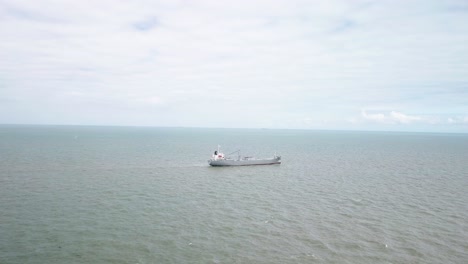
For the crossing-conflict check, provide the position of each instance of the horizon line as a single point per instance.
(251, 128)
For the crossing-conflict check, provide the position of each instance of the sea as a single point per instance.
(90, 194)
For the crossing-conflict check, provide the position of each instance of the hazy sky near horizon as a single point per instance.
(347, 64)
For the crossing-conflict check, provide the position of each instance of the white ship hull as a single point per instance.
(244, 162)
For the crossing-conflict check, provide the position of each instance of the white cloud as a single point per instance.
(398, 118)
(393, 117)
(404, 119)
(378, 117)
(458, 120)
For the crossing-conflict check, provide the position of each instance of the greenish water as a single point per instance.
(73, 194)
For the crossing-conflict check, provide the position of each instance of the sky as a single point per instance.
(338, 65)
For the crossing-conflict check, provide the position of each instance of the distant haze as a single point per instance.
(352, 65)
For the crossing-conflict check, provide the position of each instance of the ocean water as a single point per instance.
(71, 194)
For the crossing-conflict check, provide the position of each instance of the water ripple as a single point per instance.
(337, 198)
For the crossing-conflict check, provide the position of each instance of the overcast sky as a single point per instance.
(350, 64)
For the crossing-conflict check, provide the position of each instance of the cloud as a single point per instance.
(153, 100)
(393, 117)
(378, 117)
(404, 119)
(282, 60)
(458, 120)
(398, 118)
